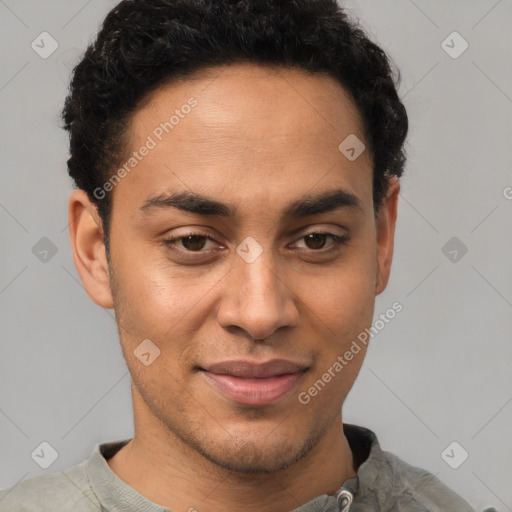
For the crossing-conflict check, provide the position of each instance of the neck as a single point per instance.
(158, 465)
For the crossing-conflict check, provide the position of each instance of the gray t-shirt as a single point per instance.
(384, 483)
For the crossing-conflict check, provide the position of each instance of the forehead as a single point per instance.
(254, 132)
(266, 100)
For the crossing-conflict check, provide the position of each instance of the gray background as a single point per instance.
(439, 372)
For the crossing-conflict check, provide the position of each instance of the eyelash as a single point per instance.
(337, 239)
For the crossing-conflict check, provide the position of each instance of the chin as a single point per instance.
(245, 454)
(251, 459)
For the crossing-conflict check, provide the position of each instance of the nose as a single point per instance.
(257, 298)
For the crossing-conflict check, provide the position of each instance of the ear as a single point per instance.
(86, 233)
(386, 221)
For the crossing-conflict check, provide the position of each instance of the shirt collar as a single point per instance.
(114, 494)
(370, 486)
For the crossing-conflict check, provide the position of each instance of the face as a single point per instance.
(244, 246)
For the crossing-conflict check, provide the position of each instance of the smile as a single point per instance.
(254, 384)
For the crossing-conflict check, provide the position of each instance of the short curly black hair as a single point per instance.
(144, 43)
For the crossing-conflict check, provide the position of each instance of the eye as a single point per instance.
(316, 241)
(191, 242)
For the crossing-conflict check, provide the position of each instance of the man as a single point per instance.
(237, 170)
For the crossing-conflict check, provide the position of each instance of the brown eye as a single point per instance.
(315, 240)
(193, 242)
(189, 244)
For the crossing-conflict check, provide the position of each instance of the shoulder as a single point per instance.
(65, 490)
(421, 490)
(386, 482)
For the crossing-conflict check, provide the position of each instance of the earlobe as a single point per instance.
(86, 233)
(386, 222)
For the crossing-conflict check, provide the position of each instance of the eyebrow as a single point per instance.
(311, 204)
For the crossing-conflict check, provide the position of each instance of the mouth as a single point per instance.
(256, 384)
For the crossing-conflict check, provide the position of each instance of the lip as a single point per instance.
(256, 384)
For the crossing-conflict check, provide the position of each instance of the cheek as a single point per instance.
(343, 295)
(162, 302)
(341, 306)
(337, 318)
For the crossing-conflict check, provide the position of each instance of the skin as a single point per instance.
(259, 138)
